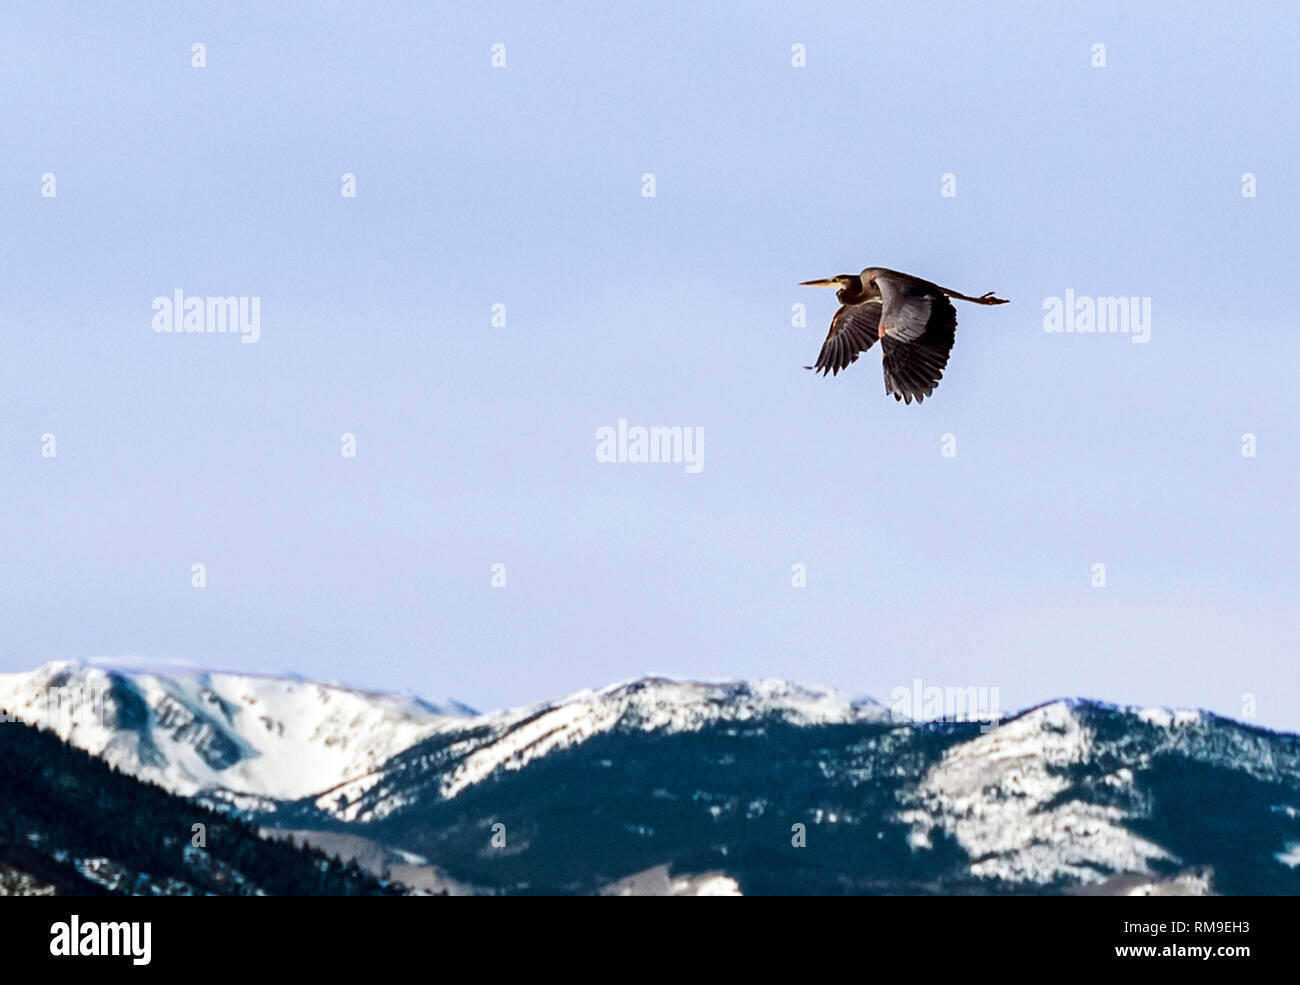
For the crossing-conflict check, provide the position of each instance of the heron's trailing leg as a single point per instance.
(982, 299)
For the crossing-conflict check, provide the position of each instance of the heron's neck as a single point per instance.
(851, 293)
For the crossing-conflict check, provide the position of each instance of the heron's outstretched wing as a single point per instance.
(920, 326)
(854, 329)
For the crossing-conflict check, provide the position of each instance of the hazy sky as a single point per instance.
(476, 444)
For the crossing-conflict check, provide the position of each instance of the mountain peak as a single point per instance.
(192, 729)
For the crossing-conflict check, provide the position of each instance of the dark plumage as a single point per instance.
(913, 319)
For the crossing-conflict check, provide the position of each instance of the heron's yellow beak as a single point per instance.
(827, 282)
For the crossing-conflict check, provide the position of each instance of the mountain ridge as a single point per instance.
(655, 782)
(196, 729)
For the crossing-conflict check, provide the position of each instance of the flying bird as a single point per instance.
(913, 319)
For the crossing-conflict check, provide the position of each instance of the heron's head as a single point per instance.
(848, 287)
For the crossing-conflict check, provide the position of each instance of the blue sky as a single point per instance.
(476, 444)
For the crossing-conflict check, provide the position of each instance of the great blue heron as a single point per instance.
(912, 318)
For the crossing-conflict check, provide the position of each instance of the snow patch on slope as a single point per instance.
(1005, 798)
(192, 731)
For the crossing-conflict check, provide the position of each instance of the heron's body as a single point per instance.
(913, 319)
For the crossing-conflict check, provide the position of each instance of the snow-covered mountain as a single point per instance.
(1007, 797)
(192, 731)
(1068, 796)
(510, 740)
(656, 785)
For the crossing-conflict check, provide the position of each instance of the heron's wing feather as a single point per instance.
(919, 333)
(853, 330)
(908, 304)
